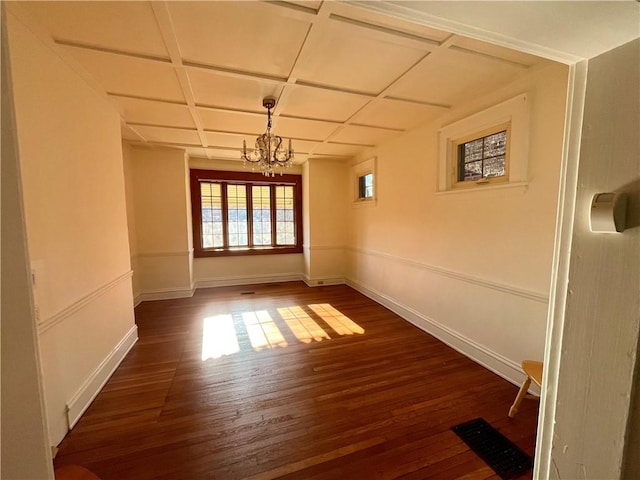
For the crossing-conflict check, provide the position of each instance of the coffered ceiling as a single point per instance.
(193, 74)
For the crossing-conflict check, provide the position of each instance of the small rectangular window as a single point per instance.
(482, 158)
(365, 186)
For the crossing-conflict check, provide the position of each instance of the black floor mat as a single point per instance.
(500, 453)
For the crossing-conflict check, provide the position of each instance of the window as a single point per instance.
(483, 158)
(364, 183)
(488, 149)
(237, 213)
(365, 186)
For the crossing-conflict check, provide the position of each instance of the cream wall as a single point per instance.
(242, 270)
(127, 162)
(599, 339)
(73, 189)
(159, 199)
(24, 442)
(471, 267)
(326, 196)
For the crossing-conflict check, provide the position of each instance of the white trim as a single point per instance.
(323, 281)
(515, 112)
(81, 303)
(520, 292)
(482, 188)
(325, 247)
(576, 93)
(164, 254)
(164, 294)
(248, 280)
(480, 354)
(90, 388)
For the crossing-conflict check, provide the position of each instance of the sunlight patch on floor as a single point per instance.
(218, 337)
(342, 324)
(302, 325)
(263, 331)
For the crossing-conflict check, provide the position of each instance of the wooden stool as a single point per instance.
(533, 370)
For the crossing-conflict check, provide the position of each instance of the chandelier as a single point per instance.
(269, 153)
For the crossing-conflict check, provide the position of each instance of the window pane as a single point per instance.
(365, 183)
(237, 215)
(495, 145)
(494, 167)
(285, 223)
(473, 170)
(261, 203)
(211, 200)
(473, 150)
(483, 157)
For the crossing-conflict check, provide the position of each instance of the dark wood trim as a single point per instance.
(227, 177)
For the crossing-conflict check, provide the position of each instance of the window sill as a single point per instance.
(370, 202)
(246, 251)
(484, 187)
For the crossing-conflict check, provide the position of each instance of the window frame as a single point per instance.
(249, 180)
(456, 160)
(514, 111)
(358, 171)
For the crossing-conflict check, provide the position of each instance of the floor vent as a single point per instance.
(247, 293)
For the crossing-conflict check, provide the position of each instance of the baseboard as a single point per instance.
(502, 366)
(248, 280)
(323, 281)
(166, 294)
(92, 386)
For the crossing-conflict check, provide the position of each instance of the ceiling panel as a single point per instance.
(338, 149)
(136, 110)
(217, 90)
(230, 140)
(396, 114)
(229, 121)
(454, 77)
(301, 128)
(128, 26)
(308, 102)
(223, 153)
(313, 4)
(196, 151)
(496, 51)
(126, 75)
(313, 56)
(361, 63)
(301, 147)
(363, 135)
(404, 28)
(169, 135)
(262, 40)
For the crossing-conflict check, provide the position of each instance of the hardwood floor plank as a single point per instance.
(300, 390)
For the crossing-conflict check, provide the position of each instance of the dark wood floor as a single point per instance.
(377, 403)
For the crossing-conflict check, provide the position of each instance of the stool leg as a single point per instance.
(523, 391)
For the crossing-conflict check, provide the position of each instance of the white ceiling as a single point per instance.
(566, 31)
(193, 74)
